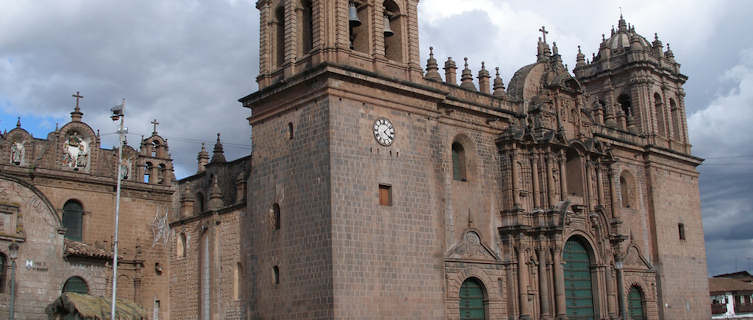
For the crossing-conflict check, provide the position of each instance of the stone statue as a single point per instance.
(17, 153)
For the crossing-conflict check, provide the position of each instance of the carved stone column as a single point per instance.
(599, 187)
(543, 286)
(563, 176)
(550, 180)
(525, 313)
(612, 195)
(559, 284)
(610, 293)
(515, 177)
(535, 172)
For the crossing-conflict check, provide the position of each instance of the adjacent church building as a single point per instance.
(381, 188)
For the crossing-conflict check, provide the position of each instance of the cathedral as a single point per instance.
(382, 188)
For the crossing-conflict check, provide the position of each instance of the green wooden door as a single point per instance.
(472, 300)
(635, 304)
(578, 295)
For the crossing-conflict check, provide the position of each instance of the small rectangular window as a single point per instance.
(385, 195)
(681, 230)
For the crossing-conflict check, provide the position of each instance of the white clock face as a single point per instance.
(384, 132)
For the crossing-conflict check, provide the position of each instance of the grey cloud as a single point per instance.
(182, 62)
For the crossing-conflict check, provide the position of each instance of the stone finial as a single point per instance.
(499, 85)
(555, 50)
(580, 59)
(669, 54)
(483, 79)
(466, 79)
(218, 154)
(450, 71)
(215, 195)
(432, 68)
(622, 25)
(202, 158)
(18, 122)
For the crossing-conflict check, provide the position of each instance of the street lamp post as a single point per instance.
(118, 113)
(13, 253)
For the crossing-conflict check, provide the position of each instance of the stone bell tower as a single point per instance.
(374, 35)
(639, 87)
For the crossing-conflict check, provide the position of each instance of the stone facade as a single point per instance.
(69, 166)
(487, 184)
(380, 190)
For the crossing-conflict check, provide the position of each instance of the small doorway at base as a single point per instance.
(472, 300)
(635, 304)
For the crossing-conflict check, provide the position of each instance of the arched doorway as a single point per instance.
(76, 284)
(472, 300)
(578, 284)
(635, 304)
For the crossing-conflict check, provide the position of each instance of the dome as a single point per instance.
(621, 39)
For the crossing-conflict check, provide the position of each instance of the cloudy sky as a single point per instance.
(186, 63)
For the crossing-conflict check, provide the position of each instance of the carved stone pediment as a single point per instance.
(471, 248)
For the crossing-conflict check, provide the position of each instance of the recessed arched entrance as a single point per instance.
(578, 284)
(472, 300)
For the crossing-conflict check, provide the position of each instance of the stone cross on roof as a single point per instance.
(78, 97)
(155, 123)
(543, 32)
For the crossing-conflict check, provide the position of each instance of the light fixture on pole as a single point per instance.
(13, 253)
(118, 113)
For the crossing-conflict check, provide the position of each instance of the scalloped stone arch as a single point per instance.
(455, 280)
(594, 252)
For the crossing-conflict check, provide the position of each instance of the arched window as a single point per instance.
(155, 147)
(276, 216)
(148, 168)
(205, 281)
(73, 214)
(76, 285)
(180, 246)
(306, 28)
(359, 28)
(290, 131)
(280, 36)
(578, 283)
(574, 173)
(635, 304)
(393, 37)
(3, 271)
(627, 190)
(200, 206)
(659, 110)
(676, 121)
(626, 104)
(459, 171)
(276, 275)
(472, 302)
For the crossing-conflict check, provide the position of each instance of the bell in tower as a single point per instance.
(370, 35)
